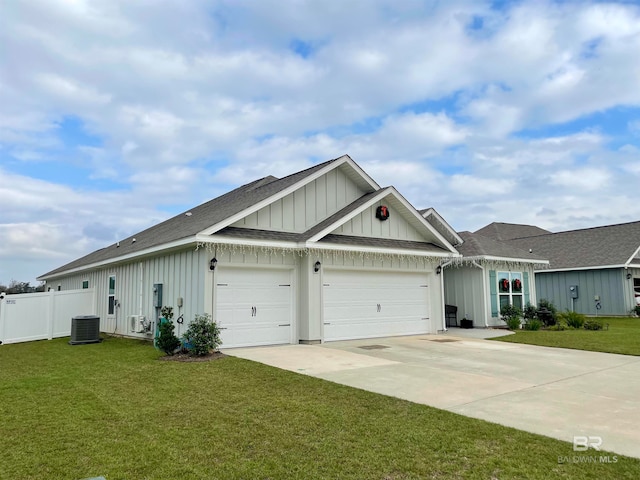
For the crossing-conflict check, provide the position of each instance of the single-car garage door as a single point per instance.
(363, 304)
(254, 306)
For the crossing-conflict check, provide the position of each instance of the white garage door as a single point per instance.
(254, 306)
(363, 304)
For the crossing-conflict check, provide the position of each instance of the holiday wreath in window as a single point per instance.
(504, 285)
(517, 285)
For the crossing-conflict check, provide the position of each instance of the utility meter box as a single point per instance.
(157, 295)
(573, 291)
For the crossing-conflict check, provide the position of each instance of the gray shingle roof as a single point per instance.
(589, 247)
(201, 217)
(508, 231)
(476, 245)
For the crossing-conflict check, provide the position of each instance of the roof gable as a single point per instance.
(439, 223)
(479, 246)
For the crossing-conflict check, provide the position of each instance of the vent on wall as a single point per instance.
(85, 329)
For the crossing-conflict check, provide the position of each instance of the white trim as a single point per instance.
(505, 259)
(123, 258)
(249, 242)
(433, 211)
(596, 267)
(634, 255)
(383, 251)
(345, 159)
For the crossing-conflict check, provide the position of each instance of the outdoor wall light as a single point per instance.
(438, 270)
(629, 276)
(316, 267)
(213, 263)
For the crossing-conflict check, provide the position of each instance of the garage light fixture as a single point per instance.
(316, 266)
(438, 270)
(629, 276)
(213, 263)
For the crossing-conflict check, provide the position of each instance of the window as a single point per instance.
(112, 295)
(510, 289)
(85, 284)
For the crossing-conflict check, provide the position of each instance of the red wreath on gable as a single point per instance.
(504, 285)
(517, 285)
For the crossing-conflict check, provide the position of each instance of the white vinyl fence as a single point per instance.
(38, 316)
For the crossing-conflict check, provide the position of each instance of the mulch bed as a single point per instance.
(185, 357)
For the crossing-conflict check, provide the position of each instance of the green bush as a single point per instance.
(592, 325)
(530, 312)
(511, 316)
(167, 341)
(202, 335)
(533, 324)
(572, 319)
(558, 327)
(636, 310)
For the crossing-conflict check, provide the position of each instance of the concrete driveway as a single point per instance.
(551, 391)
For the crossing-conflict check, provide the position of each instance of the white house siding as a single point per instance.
(463, 288)
(366, 224)
(306, 207)
(181, 274)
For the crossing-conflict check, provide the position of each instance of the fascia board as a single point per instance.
(507, 259)
(433, 211)
(123, 258)
(391, 251)
(422, 220)
(634, 255)
(345, 159)
(594, 267)
(250, 242)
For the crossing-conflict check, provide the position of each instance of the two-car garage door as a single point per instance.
(366, 304)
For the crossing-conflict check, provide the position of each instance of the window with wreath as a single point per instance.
(510, 289)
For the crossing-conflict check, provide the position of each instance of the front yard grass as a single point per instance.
(113, 409)
(623, 336)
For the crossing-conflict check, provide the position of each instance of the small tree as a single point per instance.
(547, 312)
(167, 341)
(202, 335)
(511, 316)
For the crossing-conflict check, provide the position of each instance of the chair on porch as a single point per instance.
(451, 315)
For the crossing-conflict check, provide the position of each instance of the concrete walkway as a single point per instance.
(551, 391)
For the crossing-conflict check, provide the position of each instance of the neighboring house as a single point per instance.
(490, 275)
(595, 271)
(323, 254)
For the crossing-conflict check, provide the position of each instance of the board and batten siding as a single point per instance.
(307, 206)
(463, 288)
(610, 284)
(181, 274)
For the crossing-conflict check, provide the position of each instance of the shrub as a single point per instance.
(572, 319)
(533, 324)
(636, 310)
(511, 316)
(167, 341)
(558, 327)
(202, 335)
(530, 312)
(592, 325)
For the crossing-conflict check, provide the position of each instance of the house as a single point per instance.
(322, 254)
(490, 275)
(594, 271)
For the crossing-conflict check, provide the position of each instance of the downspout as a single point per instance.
(141, 270)
(484, 291)
(443, 309)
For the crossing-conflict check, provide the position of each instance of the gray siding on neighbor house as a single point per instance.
(609, 284)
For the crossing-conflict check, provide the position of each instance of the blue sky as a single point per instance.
(116, 115)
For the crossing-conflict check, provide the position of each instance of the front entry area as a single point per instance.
(366, 304)
(254, 306)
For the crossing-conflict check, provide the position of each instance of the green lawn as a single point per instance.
(113, 409)
(623, 336)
